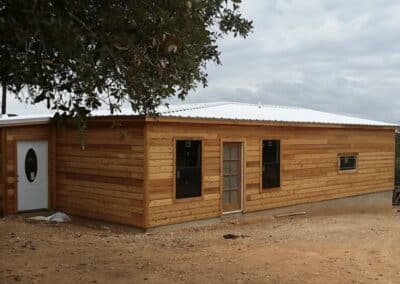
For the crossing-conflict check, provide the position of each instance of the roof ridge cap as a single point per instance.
(192, 107)
(263, 105)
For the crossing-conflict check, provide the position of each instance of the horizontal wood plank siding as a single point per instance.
(309, 169)
(309, 166)
(397, 160)
(2, 173)
(125, 174)
(163, 208)
(105, 179)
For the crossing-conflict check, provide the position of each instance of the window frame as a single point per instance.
(195, 198)
(270, 189)
(344, 171)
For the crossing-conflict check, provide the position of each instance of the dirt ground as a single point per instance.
(347, 248)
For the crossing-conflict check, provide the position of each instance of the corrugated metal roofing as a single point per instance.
(253, 112)
(23, 119)
(230, 111)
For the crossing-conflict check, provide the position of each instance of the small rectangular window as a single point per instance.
(270, 163)
(188, 168)
(347, 162)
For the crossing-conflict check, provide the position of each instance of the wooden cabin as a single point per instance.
(192, 162)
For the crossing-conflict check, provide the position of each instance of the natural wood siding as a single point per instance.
(163, 209)
(309, 169)
(126, 173)
(2, 173)
(105, 179)
(309, 166)
(397, 163)
(11, 136)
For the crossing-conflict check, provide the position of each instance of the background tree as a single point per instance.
(79, 54)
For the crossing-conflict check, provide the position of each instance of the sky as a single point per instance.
(340, 56)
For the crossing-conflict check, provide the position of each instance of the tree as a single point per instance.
(79, 54)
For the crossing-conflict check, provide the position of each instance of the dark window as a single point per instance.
(188, 168)
(347, 162)
(270, 163)
(31, 165)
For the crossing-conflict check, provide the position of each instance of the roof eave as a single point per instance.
(22, 121)
(179, 119)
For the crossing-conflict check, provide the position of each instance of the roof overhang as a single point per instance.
(216, 121)
(21, 121)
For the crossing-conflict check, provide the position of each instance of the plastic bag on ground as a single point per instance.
(58, 217)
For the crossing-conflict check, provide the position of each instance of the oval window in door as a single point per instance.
(31, 165)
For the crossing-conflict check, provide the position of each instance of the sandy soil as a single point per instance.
(349, 248)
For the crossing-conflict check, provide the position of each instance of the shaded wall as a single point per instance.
(2, 173)
(105, 179)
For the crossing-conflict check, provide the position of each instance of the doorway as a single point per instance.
(32, 175)
(232, 177)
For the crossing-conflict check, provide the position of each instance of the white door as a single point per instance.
(32, 175)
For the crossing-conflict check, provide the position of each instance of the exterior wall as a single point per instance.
(125, 174)
(309, 166)
(397, 165)
(105, 180)
(163, 208)
(2, 173)
(11, 135)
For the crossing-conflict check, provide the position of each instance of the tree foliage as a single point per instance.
(79, 54)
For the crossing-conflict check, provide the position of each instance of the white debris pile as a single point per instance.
(58, 217)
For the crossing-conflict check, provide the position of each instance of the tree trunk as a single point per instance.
(4, 100)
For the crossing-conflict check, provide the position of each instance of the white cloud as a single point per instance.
(341, 56)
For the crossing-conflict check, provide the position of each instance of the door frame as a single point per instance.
(242, 142)
(50, 163)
